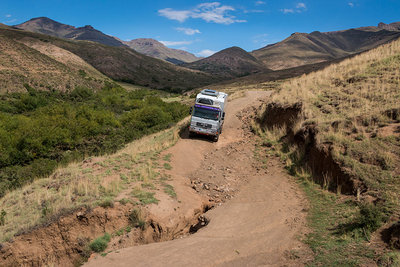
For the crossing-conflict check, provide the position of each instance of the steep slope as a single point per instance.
(229, 63)
(153, 48)
(50, 27)
(302, 48)
(43, 66)
(123, 63)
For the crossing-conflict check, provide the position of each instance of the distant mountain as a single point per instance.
(302, 48)
(229, 63)
(119, 63)
(50, 27)
(154, 48)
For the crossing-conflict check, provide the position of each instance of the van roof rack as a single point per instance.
(209, 92)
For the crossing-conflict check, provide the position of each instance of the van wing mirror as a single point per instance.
(191, 109)
(223, 115)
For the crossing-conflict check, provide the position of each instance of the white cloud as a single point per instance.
(205, 53)
(209, 12)
(187, 31)
(301, 5)
(169, 13)
(253, 11)
(258, 3)
(8, 16)
(287, 10)
(175, 43)
(351, 4)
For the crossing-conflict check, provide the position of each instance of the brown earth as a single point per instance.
(261, 223)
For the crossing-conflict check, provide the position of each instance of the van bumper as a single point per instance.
(196, 130)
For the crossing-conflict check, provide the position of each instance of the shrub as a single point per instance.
(100, 243)
(3, 217)
(107, 203)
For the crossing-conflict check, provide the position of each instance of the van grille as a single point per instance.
(203, 125)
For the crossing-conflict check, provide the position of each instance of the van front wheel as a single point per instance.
(216, 138)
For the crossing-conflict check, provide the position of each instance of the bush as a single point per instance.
(371, 217)
(100, 244)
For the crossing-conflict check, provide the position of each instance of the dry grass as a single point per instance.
(367, 84)
(89, 183)
(347, 102)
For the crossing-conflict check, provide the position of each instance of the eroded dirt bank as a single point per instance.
(317, 157)
(258, 225)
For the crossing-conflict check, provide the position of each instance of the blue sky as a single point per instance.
(203, 27)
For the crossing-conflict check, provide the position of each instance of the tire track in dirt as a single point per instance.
(259, 226)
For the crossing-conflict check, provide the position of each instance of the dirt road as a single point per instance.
(258, 225)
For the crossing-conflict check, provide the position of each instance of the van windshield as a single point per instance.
(206, 113)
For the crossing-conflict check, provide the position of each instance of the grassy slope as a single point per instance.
(125, 64)
(21, 64)
(347, 102)
(133, 172)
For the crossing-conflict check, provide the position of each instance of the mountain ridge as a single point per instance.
(146, 46)
(51, 27)
(309, 48)
(118, 63)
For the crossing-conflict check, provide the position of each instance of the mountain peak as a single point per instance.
(154, 48)
(229, 63)
(89, 27)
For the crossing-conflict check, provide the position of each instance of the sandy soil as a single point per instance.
(260, 221)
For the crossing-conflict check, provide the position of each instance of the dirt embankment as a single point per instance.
(317, 157)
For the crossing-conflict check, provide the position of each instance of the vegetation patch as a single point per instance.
(169, 190)
(144, 197)
(167, 166)
(337, 237)
(40, 131)
(100, 244)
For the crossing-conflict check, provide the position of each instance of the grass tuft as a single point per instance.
(136, 220)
